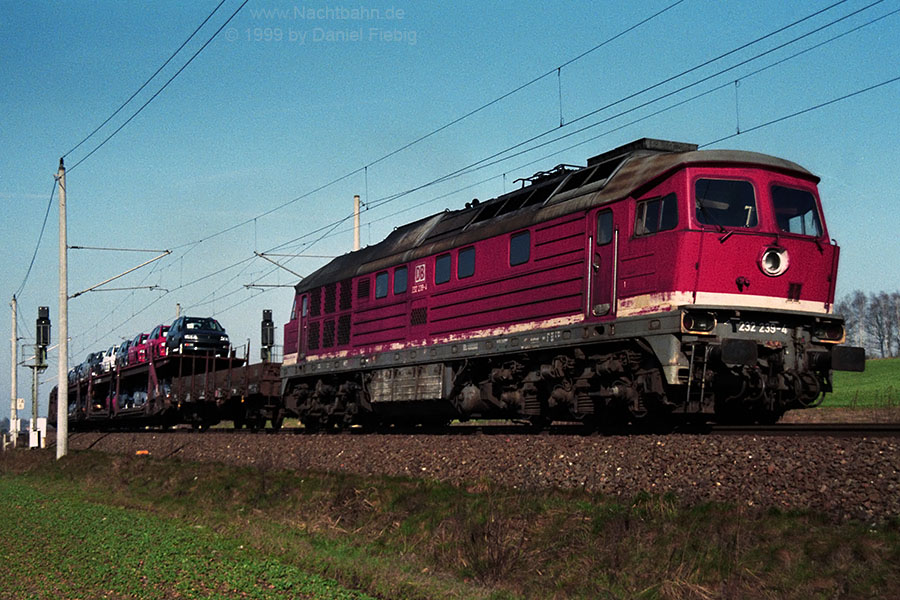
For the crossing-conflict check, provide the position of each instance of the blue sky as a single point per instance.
(293, 95)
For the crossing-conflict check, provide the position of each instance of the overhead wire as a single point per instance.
(379, 202)
(805, 110)
(364, 168)
(149, 79)
(484, 162)
(160, 90)
(195, 243)
(37, 246)
(400, 194)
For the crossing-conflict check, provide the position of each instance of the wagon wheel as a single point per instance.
(539, 422)
(277, 419)
(256, 422)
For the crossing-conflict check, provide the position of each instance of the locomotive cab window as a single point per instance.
(519, 248)
(604, 227)
(725, 203)
(796, 211)
(304, 304)
(465, 263)
(442, 269)
(400, 278)
(655, 215)
(381, 285)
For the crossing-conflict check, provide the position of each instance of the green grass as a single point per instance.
(99, 526)
(59, 545)
(876, 387)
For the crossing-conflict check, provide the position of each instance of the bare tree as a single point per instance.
(854, 308)
(880, 323)
(895, 317)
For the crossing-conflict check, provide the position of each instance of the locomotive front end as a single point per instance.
(755, 364)
(759, 337)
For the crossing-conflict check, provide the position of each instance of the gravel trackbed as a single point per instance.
(843, 477)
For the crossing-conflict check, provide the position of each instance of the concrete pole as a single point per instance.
(356, 222)
(14, 392)
(62, 385)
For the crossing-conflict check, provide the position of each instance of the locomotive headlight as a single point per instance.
(829, 332)
(774, 261)
(698, 322)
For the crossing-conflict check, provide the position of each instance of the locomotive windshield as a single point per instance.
(725, 203)
(795, 211)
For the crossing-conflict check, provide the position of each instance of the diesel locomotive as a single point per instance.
(658, 283)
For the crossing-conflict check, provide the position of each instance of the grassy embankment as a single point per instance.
(95, 526)
(876, 387)
(99, 526)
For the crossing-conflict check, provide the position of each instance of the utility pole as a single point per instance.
(356, 222)
(62, 385)
(13, 416)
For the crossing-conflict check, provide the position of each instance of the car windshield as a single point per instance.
(210, 324)
(725, 203)
(795, 211)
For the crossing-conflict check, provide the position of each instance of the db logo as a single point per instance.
(420, 273)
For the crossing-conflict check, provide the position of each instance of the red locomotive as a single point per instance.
(657, 282)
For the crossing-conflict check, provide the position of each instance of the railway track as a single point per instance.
(566, 429)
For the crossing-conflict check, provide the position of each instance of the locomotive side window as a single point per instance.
(304, 310)
(400, 277)
(294, 309)
(795, 211)
(604, 227)
(725, 203)
(654, 215)
(442, 268)
(381, 285)
(465, 263)
(519, 248)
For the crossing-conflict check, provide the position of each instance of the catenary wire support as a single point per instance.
(737, 107)
(120, 275)
(264, 257)
(154, 288)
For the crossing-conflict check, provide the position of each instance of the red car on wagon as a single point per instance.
(156, 343)
(137, 352)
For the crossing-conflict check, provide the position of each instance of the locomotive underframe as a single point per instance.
(725, 365)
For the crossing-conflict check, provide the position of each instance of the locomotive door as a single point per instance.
(304, 325)
(602, 268)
